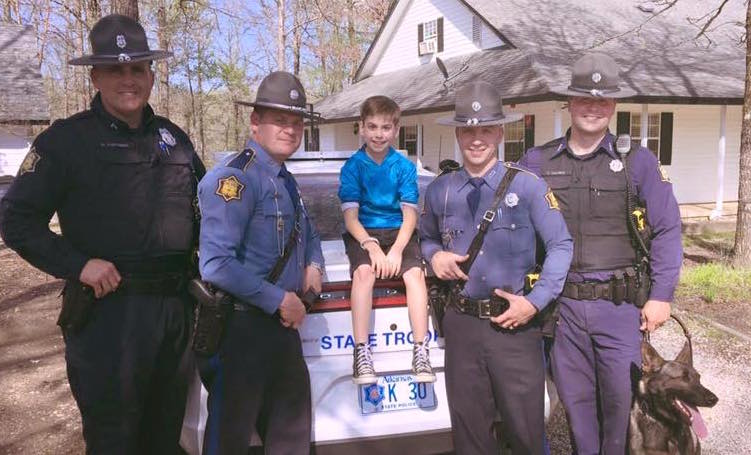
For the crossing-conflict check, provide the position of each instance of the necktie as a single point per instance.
(473, 198)
(289, 184)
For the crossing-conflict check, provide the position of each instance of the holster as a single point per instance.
(212, 312)
(78, 301)
(641, 287)
(439, 297)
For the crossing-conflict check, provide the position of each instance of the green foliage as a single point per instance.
(715, 283)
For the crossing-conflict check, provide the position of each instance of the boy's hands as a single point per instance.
(394, 261)
(378, 260)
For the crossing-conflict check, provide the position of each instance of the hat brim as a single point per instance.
(621, 93)
(92, 60)
(508, 118)
(282, 107)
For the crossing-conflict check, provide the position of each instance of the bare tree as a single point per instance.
(281, 35)
(126, 8)
(742, 249)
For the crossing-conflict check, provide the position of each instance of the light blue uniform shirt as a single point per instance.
(508, 252)
(242, 238)
(379, 190)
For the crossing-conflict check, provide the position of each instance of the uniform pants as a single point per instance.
(127, 369)
(492, 371)
(597, 346)
(257, 381)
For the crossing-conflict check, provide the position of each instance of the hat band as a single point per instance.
(471, 121)
(300, 109)
(596, 92)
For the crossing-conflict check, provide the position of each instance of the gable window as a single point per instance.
(408, 139)
(430, 37)
(518, 137)
(477, 30)
(659, 132)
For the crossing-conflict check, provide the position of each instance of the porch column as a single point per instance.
(457, 152)
(557, 123)
(419, 146)
(644, 124)
(720, 196)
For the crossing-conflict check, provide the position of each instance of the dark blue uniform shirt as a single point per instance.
(246, 218)
(655, 191)
(509, 250)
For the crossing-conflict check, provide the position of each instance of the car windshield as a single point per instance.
(319, 193)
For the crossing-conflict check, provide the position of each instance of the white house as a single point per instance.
(23, 100)
(689, 91)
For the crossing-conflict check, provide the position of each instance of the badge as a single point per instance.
(294, 94)
(120, 40)
(596, 77)
(663, 173)
(373, 394)
(29, 163)
(616, 165)
(230, 188)
(552, 201)
(167, 137)
(476, 106)
(511, 200)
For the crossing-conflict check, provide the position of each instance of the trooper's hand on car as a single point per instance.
(446, 265)
(101, 275)
(291, 311)
(519, 312)
(378, 260)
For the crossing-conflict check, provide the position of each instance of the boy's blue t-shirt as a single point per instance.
(379, 190)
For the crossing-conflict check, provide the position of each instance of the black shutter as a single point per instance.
(529, 132)
(419, 37)
(440, 34)
(401, 138)
(623, 123)
(666, 138)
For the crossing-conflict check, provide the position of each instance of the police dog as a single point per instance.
(664, 419)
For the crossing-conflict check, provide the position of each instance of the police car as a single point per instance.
(396, 415)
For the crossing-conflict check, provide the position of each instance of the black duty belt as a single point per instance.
(614, 290)
(481, 308)
(163, 285)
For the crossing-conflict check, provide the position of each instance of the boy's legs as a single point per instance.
(417, 306)
(361, 301)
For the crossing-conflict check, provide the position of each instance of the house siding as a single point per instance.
(14, 144)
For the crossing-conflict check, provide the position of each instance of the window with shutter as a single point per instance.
(518, 137)
(408, 139)
(659, 132)
(430, 37)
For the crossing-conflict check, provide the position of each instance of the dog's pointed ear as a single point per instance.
(685, 356)
(650, 359)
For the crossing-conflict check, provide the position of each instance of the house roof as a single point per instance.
(659, 57)
(23, 98)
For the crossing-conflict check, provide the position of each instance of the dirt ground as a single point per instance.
(38, 414)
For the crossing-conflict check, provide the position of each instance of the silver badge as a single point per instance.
(476, 106)
(294, 94)
(616, 166)
(123, 58)
(511, 200)
(596, 77)
(120, 40)
(167, 137)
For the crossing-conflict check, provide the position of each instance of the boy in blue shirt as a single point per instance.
(378, 191)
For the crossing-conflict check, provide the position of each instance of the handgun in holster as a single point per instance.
(212, 312)
(78, 302)
(439, 296)
(549, 315)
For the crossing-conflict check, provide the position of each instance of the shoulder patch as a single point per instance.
(510, 164)
(29, 163)
(230, 188)
(243, 159)
(552, 201)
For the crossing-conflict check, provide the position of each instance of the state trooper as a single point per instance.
(123, 182)
(493, 357)
(252, 215)
(616, 286)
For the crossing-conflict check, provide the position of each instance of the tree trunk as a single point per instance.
(281, 39)
(352, 39)
(297, 36)
(162, 67)
(126, 8)
(742, 250)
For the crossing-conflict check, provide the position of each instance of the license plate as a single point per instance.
(395, 393)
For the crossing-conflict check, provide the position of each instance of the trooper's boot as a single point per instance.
(362, 365)
(421, 362)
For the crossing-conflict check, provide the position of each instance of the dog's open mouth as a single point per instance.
(693, 416)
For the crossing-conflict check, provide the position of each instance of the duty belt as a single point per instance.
(620, 288)
(164, 285)
(481, 308)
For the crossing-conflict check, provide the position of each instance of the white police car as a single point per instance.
(396, 415)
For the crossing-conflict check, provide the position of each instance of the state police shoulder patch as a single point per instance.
(29, 163)
(230, 188)
(552, 201)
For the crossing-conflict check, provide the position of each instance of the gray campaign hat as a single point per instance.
(283, 91)
(595, 75)
(118, 39)
(478, 104)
